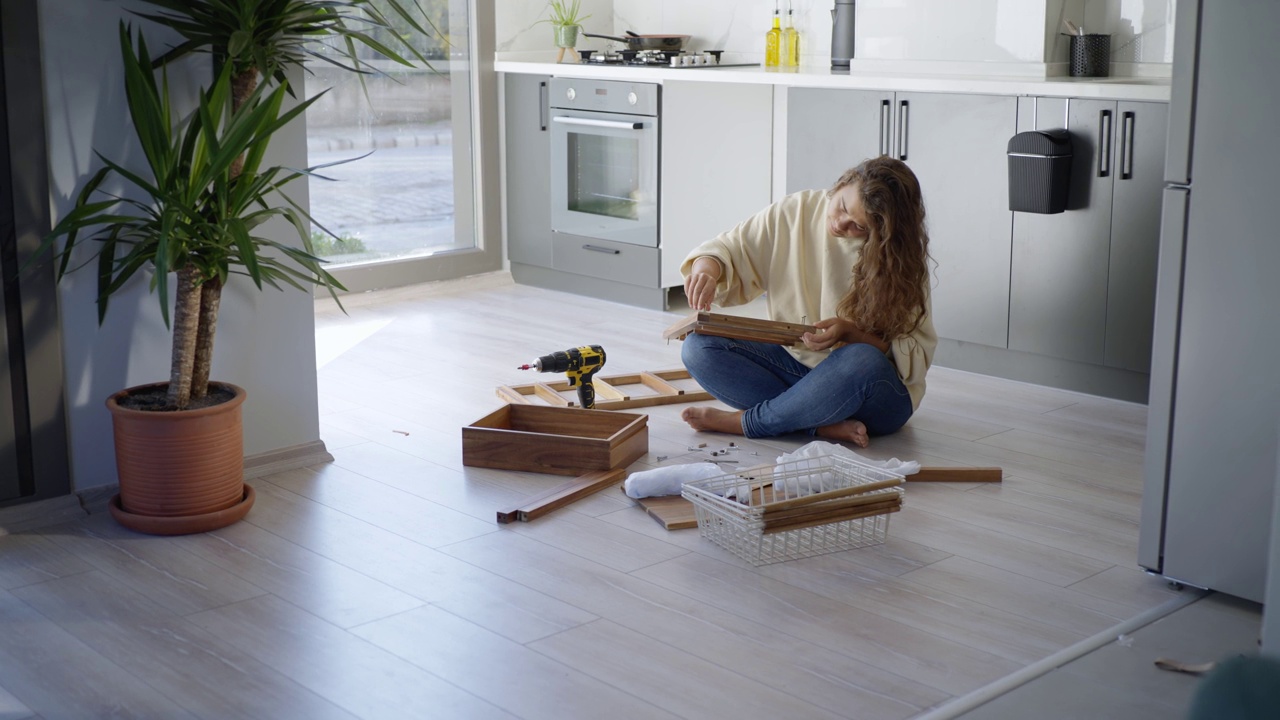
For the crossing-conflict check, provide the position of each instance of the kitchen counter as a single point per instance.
(1153, 89)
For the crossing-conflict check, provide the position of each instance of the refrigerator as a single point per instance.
(1214, 410)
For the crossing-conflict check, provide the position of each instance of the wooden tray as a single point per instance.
(560, 441)
(740, 328)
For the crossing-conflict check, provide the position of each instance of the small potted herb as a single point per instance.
(566, 21)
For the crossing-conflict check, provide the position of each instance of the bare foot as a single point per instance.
(847, 430)
(713, 420)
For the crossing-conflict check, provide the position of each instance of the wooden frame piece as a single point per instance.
(957, 474)
(609, 396)
(739, 328)
(557, 497)
(672, 512)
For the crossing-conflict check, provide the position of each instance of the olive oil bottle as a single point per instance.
(790, 49)
(773, 41)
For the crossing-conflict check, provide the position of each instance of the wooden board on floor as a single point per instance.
(672, 512)
(740, 328)
(957, 474)
(609, 393)
(559, 496)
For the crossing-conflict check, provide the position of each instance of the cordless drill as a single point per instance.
(580, 364)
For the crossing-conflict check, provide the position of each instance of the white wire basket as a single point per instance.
(731, 508)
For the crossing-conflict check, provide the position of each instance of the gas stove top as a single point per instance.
(658, 58)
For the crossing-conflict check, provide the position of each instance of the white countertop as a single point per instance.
(1153, 89)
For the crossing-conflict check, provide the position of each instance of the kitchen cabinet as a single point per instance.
(1083, 281)
(955, 144)
(528, 155)
(1135, 234)
(717, 156)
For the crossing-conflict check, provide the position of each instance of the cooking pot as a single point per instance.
(646, 42)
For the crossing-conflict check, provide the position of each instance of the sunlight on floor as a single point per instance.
(334, 340)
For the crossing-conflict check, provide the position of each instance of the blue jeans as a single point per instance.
(782, 395)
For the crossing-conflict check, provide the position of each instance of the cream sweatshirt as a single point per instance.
(786, 251)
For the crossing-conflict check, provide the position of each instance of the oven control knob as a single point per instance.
(631, 98)
(570, 93)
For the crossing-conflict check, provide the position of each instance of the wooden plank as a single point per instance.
(560, 495)
(850, 514)
(829, 495)
(672, 512)
(657, 380)
(957, 474)
(831, 505)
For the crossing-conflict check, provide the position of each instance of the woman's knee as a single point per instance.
(860, 357)
(697, 349)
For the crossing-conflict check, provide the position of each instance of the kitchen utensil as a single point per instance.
(646, 42)
(842, 21)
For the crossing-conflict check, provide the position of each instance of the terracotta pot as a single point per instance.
(180, 471)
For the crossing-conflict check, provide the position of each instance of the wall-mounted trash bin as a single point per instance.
(1039, 171)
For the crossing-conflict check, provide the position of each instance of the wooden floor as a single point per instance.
(379, 586)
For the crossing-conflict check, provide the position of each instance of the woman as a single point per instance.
(855, 258)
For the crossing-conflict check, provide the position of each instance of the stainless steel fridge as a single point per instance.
(1214, 408)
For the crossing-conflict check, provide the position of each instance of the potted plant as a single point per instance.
(193, 215)
(566, 20)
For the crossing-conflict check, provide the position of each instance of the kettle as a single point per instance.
(842, 17)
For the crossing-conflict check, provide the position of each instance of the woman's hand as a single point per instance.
(700, 286)
(839, 330)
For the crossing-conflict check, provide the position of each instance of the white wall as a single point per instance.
(975, 36)
(265, 341)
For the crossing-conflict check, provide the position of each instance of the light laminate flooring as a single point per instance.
(380, 586)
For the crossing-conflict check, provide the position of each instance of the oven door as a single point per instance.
(604, 176)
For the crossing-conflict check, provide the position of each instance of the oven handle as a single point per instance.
(598, 123)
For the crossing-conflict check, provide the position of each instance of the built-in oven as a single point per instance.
(604, 160)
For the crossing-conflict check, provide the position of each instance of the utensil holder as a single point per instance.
(1090, 55)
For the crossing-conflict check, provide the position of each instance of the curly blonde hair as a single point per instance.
(890, 282)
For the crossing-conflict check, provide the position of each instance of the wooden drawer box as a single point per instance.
(562, 441)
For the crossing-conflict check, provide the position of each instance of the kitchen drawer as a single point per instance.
(606, 260)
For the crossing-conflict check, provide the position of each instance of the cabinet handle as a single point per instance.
(885, 111)
(1127, 122)
(597, 248)
(1104, 143)
(904, 127)
(543, 106)
(592, 122)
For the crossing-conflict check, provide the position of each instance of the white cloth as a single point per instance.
(668, 480)
(827, 479)
(818, 448)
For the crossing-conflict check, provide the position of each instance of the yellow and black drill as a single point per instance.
(580, 364)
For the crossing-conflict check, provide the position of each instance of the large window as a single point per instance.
(410, 198)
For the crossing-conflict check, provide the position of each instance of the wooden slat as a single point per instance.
(560, 495)
(957, 474)
(549, 394)
(658, 385)
(607, 392)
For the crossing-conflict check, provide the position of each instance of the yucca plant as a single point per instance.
(190, 214)
(267, 38)
(207, 191)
